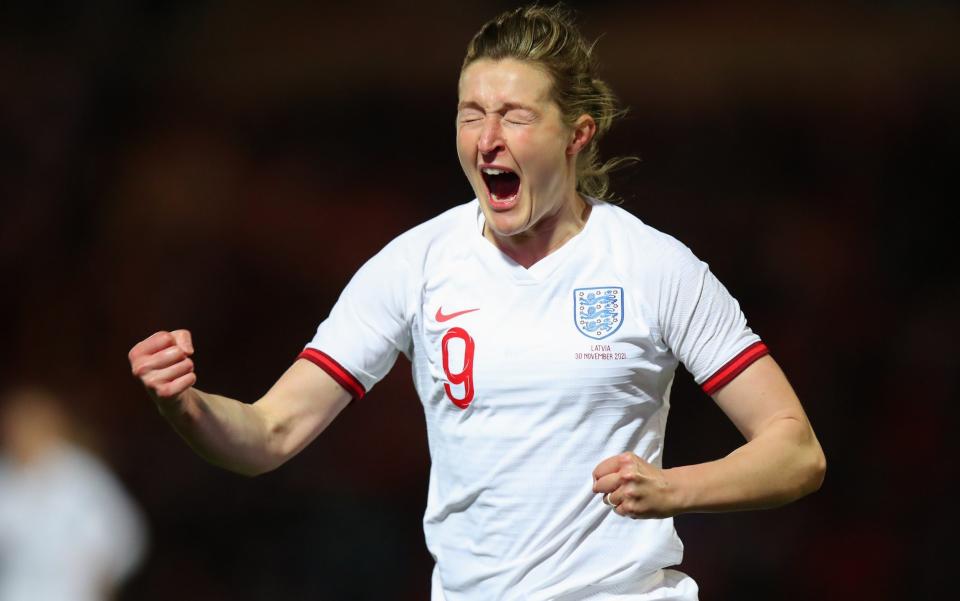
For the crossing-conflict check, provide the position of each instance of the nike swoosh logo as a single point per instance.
(441, 317)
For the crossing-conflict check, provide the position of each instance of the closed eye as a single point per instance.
(469, 116)
(520, 117)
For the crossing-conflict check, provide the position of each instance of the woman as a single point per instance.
(544, 327)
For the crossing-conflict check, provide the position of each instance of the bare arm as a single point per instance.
(781, 460)
(248, 439)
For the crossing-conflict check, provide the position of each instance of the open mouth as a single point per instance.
(503, 184)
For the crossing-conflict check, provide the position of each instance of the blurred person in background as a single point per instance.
(68, 530)
(544, 326)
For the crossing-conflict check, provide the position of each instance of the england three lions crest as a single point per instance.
(598, 312)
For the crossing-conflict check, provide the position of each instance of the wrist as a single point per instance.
(177, 405)
(679, 493)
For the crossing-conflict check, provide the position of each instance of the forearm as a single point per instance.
(225, 432)
(248, 439)
(779, 465)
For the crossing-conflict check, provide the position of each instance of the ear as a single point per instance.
(584, 129)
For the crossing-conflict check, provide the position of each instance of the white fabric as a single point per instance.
(510, 511)
(68, 531)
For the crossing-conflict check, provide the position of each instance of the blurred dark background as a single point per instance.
(225, 167)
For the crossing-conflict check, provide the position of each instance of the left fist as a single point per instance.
(634, 487)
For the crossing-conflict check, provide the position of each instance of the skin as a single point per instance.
(506, 118)
(780, 462)
(249, 439)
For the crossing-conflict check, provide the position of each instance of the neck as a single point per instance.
(550, 233)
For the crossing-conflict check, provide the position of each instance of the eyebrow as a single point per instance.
(507, 106)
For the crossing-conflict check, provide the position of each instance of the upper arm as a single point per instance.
(758, 397)
(353, 348)
(764, 407)
(299, 407)
(704, 327)
(701, 322)
(370, 324)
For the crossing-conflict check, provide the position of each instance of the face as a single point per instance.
(514, 147)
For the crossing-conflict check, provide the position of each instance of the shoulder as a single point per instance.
(632, 240)
(403, 264)
(448, 224)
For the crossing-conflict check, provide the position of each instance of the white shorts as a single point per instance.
(662, 585)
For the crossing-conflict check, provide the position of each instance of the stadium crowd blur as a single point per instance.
(225, 167)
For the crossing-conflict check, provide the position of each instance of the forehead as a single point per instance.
(488, 82)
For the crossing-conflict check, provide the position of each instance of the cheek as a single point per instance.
(544, 166)
(541, 149)
(464, 146)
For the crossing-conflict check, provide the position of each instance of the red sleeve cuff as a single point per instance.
(335, 371)
(734, 367)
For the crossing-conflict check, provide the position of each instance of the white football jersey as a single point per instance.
(529, 378)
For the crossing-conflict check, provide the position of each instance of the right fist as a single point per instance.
(162, 362)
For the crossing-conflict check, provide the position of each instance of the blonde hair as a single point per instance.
(548, 37)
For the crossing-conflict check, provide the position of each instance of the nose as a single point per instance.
(491, 138)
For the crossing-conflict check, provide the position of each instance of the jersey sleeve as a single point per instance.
(702, 323)
(369, 324)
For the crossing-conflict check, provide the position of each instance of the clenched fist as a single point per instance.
(634, 487)
(163, 364)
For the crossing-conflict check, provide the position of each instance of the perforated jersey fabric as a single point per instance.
(529, 378)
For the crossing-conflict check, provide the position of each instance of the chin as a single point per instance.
(508, 223)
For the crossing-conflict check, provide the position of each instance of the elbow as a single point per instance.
(249, 469)
(811, 464)
(258, 468)
(820, 470)
(815, 472)
(267, 453)
(806, 478)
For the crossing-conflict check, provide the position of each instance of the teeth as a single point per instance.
(490, 171)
